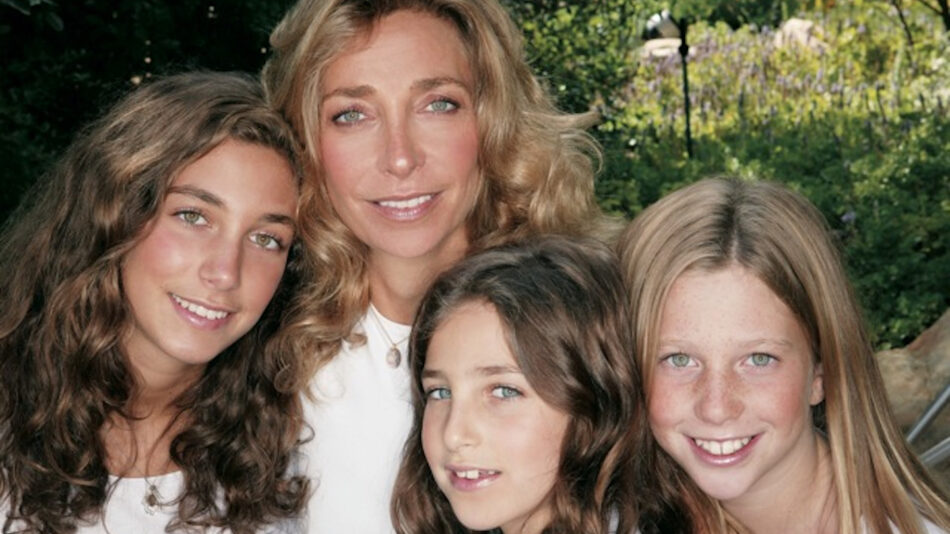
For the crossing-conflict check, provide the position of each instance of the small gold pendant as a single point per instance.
(393, 357)
(152, 500)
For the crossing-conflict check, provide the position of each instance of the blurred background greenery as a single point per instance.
(856, 118)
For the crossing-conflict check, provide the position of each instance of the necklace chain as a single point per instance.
(393, 355)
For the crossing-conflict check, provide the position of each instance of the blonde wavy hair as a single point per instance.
(537, 164)
(781, 237)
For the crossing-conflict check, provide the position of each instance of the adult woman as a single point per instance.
(761, 382)
(429, 139)
(145, 332)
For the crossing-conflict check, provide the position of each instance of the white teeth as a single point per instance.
(722, 448)
(472, 474)
(405, 204)
(199, 310)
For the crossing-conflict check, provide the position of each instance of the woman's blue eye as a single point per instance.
(761, 360)
(348, 116)
(505, 392)
(438, 394)
(443, 106)
(679, 360)
(191, 217)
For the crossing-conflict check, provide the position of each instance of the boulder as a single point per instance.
(660, 48)
(915, 375)
(800, 32)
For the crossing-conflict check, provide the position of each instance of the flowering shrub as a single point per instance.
(858, 123)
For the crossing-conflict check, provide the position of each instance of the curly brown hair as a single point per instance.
(562, 306)
(64, 315)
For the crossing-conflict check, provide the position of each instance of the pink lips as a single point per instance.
(198, 321)
(407, 208)
(724, 460)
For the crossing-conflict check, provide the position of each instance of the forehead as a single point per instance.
(470, 336)
(402, 43)
(731, 303)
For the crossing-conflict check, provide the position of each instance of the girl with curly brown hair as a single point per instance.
(148, 327)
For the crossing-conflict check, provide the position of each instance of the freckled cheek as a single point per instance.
(667, 404)
(786, 401)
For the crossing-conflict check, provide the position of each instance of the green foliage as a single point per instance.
(66, 61)
(859, 124)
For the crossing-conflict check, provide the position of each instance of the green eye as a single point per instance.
(266, 241)
(443, 106)
(348, 116)
(760, 360)
(679, 360)
(191, 217)
(505, 392)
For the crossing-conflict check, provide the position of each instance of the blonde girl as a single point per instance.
(761, 382)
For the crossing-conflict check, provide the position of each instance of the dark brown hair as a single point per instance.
(561, 305)
(64, 315)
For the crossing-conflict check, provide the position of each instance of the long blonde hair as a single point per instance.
(536, 163)
(781, 237)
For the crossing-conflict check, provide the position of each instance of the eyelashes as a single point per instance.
(352, 115)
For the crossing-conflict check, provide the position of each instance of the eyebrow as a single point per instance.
(489, 370)
(752, 343)
(210, 198)
(425, 84)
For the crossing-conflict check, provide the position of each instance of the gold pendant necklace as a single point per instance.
(152, 501)
(393, 355)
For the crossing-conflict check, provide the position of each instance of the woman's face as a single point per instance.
(492, 443)
(211, 260)
(733, 385)
(399, 138)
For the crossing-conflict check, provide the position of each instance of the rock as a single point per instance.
(915, 375)
(660, 48)
(799, 32)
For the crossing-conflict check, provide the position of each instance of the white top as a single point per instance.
(126, 512)
(360, 421)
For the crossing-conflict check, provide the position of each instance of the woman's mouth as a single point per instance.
(406, 209)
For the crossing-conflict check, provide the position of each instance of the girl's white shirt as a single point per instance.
(360, 421)
(125, 512)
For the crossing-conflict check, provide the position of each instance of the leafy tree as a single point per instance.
(65, 62)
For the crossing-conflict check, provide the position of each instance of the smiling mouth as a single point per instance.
(405, 204)
(474, 474)
(200, 310)
(722, 447)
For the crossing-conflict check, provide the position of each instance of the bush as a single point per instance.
(860, 126)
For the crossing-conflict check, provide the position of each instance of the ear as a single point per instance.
(817, 385)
